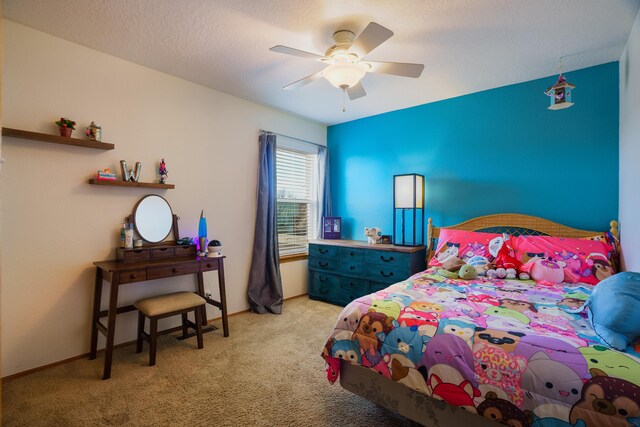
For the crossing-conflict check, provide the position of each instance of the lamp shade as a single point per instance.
(408, 210)
(408, 190)
(344, 75)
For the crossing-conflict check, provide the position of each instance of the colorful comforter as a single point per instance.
(505, 349)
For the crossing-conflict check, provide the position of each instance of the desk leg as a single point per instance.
(223, 297)
(111, 328)
(97, 297)
(201, 293)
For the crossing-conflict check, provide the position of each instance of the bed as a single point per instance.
(442, 350)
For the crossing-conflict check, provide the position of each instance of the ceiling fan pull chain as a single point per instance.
(344, 95)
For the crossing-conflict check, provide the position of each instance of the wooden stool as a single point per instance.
(165, 306)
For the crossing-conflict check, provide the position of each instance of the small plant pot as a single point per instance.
(65, 131)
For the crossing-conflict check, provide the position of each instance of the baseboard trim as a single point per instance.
(124, 344)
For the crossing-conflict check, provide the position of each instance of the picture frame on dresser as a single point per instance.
(341, 271)
(331, 227)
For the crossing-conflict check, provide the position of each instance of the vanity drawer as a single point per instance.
(388, 259)
(175, 270)
(209, 265)
(163, 253)
(132, 255)
(185, 250)
(130, 276)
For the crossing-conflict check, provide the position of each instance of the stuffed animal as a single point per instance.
(453, 264)
(468, 272)
(613, 310)
(373, 234)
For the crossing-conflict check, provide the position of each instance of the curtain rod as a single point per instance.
(291, 137)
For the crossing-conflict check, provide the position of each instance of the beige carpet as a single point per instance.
(267, 373)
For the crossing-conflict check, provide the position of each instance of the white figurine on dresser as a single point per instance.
(373, 234)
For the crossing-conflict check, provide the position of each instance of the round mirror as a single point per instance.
(153, 218)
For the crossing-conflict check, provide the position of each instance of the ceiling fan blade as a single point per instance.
(356, 91)
(296, 52)
(370, 38)
(302, 82)
(397, 68)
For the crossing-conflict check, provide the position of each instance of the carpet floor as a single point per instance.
(267, 373)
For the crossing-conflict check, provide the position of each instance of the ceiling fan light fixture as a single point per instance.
(344, 75)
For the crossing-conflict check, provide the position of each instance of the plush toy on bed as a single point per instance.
(467, 272)
(613, 310)
(373, 234)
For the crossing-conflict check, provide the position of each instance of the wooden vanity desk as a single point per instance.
(154, 262)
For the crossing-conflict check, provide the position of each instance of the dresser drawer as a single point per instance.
(130, 276)
(162, 253)
(323, 251)
(324, 286)
(356, 267)
(377, 286)
(389, 259)
(352, 254)
(351, 289)
(175, 270)
(356, 286)
(329, 264)
(387, 274)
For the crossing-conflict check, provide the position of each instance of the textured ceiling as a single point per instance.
(466, 46)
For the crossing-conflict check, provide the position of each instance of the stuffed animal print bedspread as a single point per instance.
(504, 349)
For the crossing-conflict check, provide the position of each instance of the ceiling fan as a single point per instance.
(345, 60)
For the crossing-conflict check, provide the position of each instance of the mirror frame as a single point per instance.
(174, 218)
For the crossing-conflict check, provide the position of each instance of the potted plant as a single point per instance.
(66, 126)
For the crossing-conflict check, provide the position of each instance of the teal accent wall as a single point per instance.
(495, 151)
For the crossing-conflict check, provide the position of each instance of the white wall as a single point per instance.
(630, 150)
(55, 224)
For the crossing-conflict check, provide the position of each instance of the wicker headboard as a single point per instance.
(516, 225)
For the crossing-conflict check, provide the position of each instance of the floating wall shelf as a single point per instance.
(55, 139)
(131, 184)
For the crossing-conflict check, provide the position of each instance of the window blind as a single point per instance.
(295, 218)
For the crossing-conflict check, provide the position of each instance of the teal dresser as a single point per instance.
(343, 270)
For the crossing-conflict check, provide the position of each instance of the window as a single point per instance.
(296, 199)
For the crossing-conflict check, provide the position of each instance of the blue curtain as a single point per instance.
(265, 282)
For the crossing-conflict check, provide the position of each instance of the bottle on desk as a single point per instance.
(123, 232)
(128, 237)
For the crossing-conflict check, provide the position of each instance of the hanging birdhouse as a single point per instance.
(560, 94)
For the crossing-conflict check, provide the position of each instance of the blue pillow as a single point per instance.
(614, 310)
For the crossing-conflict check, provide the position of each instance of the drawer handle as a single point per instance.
(386, 259)
(351, 284)
(174, 270)
(324, 291)
(351, 267)
(352, 253)
(209, 265)
(386, 275)
(138, 251)
(162, 249)
(133, 276)
(323, 280)
(323, 264)
(324, 251)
